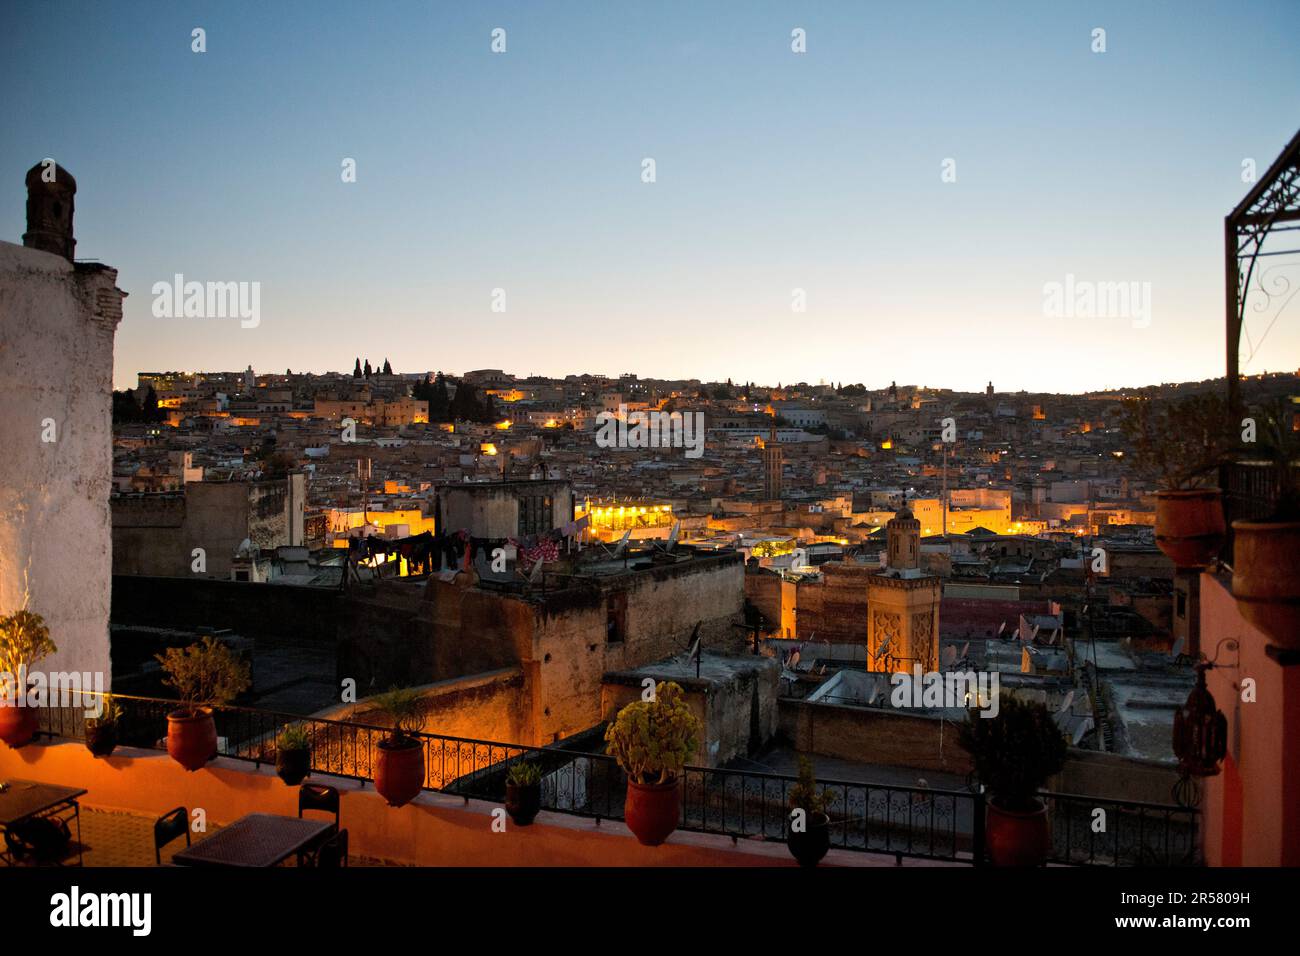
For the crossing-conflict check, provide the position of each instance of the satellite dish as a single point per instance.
(789, 675)
(672, 535)
(949, 655)
(622, 544)
(1085, 725)
(1065, 704)
(535, 576)
(1177, 652)
(965, 650)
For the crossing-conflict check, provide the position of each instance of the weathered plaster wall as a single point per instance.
(488, 706)
(157, 534)
(57, 323)
(663, 606)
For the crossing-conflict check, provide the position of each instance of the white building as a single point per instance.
(57, 322)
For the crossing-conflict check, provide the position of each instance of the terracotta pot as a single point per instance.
(191, 738)
(101, 739)
(18, 725)
(651, 810)
(523, 802)
(1266, 578)
(293, 766)
(809, 846)
(1017, 838)
(1189, 526)
(399, 771)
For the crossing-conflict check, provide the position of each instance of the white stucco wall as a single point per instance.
(56, 362)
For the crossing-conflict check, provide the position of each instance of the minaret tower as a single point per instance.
(903, 603)
(773, 461)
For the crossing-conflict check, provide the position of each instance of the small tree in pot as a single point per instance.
(101, 731)
(204, 675)
(293, 754)
(524, 792)
(399, 760)
(652, 740)
(1179, 444)
(1265, 566)
(1015, 753)
(24, 641)
(809, 831)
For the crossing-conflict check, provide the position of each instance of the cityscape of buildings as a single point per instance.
(394, 616)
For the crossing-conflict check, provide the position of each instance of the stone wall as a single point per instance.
(663, 606)
(489, 706)
(157, 534)
(872, 736)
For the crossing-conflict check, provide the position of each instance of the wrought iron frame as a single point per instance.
(1272, 203)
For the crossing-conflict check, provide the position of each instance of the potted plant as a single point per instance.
(24, 641)
(399, 763)
(1015, 753)
(1265, 562)
(524, 792)
(808, 833)
(652, 740)
(101, 731)
(1180, 444)
(293, 754)
(204, 675)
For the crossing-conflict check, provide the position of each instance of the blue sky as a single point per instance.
(776, 171)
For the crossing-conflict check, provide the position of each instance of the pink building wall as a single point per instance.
(1252, 808)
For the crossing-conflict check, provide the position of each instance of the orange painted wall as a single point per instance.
(433, 830)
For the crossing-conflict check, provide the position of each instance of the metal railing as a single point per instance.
(1250, 492)
(904, 821)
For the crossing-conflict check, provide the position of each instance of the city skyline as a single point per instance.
(781, 177)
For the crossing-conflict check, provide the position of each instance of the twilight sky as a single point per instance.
(776, 171)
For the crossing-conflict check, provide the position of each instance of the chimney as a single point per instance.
(50, 191)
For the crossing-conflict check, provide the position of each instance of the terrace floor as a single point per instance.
(117, 838)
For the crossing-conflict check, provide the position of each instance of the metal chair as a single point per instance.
(170, 826)
(317, 796)
(333, 853)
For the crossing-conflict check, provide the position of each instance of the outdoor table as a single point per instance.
(23, 800)
(256, 840)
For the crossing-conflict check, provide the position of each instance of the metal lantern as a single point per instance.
(1200, 731)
